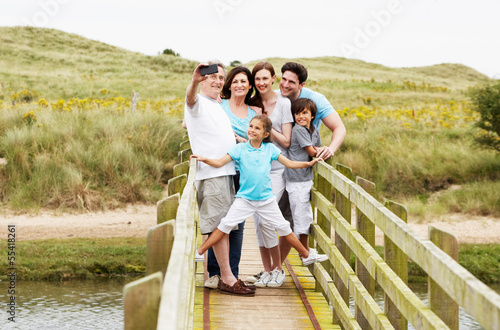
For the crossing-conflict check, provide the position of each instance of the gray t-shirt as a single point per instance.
(301, 138)
(281, 114)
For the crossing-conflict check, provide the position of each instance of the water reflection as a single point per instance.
(99, 305)
(65, 305)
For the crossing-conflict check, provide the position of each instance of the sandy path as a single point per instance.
(135, 220)
(132, 221)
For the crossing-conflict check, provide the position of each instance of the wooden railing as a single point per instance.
(333, 195)
(164, 299)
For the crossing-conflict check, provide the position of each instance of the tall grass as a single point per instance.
(409, 129)
(64, 65)
(87, 160)
(410, 164)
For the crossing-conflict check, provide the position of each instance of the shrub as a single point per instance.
(486, 101)
(169, 51)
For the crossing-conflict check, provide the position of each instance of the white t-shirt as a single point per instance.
(282, 114)
(210, 135)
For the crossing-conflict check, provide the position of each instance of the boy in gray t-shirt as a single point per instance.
(305, 140)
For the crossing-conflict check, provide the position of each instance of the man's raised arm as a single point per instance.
(192, 90)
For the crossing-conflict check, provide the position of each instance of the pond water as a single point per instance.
(99, 305)
(65, 305)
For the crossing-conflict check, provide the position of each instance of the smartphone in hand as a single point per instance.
(212, 68)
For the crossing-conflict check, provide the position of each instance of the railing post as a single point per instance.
(326, 189)
(182, 168)
(367, 229)
(398, 261)
(183, 155)
(439, 301)
(166, 209)
(159, 241)
(185, 145)
(134, 101)
(177, 184)
(141, 300)
(343, 205)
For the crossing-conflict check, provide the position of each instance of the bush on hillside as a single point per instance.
(169, 51)
(486, 101)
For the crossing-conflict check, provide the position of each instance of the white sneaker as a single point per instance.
(311, 250)
(199, 257)
(212, 282)
(254, 278)
(277, 278)
(314, 257)
(263, 280)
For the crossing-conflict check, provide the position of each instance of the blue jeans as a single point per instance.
(235, 243)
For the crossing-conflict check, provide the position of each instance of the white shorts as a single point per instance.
(265, 237)
(299, 194)
(268, 211)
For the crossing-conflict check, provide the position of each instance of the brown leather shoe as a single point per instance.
(249, 285)
(237, 289)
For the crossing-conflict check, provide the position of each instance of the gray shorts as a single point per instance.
(215, 197)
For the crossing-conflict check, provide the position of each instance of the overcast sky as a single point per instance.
(396, 33)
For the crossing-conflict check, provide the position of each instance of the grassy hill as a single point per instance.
(63, 65)
(410, 130)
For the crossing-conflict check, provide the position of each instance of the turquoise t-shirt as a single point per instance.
(240, 125)
(255, 169)
(324, 107)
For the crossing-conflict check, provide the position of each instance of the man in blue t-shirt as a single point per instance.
(293, 79)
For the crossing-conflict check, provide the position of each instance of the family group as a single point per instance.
(255, 147)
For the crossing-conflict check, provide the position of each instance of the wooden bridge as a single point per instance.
(172, 295)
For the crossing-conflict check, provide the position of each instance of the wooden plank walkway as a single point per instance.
(274, 308)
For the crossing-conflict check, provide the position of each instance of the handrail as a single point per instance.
(475, 297)
(176, 305)
(177, 297)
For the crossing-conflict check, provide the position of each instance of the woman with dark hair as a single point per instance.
(236, 93)
(277, 108)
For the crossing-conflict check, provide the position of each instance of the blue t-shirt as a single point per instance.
(255, 169)
(324, 107)
(239, 125)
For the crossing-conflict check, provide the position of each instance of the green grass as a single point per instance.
(86, 160)
(102, 159)
(64, 65)
(78, 258)
(412, 164)
(89, 258)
